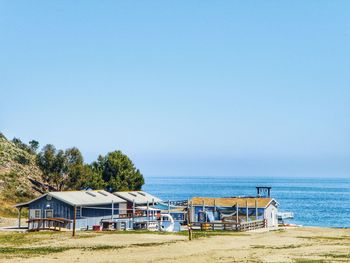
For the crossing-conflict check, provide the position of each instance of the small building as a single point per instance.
(136, 199)
(241, 209)
(88, 207)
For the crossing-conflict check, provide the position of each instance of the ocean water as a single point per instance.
(314, 201)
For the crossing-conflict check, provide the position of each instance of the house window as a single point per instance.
(37, 213)
(34, 213)
(48, 213)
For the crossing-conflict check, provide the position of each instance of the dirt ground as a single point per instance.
(12, 222)
(282, 245)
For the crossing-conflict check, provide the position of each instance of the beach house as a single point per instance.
(234, 209)
(88, 208)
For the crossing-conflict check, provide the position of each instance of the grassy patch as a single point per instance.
(203, 234)
(22, 252)
(326, 237)
(278, 247)
(37, 251)
(102, 247)
(304, 260)
(16, 239)
(280, 230)
(195, 234)
(340, 256)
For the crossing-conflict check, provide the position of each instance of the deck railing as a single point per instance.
(231, 226)
(54, 224)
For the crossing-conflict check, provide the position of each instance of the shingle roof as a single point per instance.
(81, 198)
(139, 197)
(228, 202)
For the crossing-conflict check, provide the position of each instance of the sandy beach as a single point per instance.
(282, 245)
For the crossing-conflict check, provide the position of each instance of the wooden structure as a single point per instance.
(230, 226)
(239, 210)
(263, 191)
(54, 224)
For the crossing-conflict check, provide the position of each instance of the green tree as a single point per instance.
(65, 170)
(59, 175)
(119, 172)
(45, 160)
(34, 145)
(52, 164)
(92, 178)
(74, 168)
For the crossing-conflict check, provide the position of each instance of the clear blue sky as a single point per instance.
(182, 87)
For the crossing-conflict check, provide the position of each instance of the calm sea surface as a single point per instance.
(315, 202)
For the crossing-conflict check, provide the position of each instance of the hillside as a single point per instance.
(20, 178)
(22, 168)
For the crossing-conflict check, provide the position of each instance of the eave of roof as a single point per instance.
(229, 202)
(25, 204)
(60, 196)
(136, 197)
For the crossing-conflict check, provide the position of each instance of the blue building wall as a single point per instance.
(60, 209)
(88, 216)
(97, 211)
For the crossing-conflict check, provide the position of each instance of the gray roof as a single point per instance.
(81, 198)
(139, 197)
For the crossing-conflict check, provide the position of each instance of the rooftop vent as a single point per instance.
(132, 194)
(91, 193)
(141, 193)
(103, 193)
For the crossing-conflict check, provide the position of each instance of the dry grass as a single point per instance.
(290, 245)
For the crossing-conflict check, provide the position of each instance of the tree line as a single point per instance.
(66, 169)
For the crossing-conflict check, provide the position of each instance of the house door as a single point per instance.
(273, 217)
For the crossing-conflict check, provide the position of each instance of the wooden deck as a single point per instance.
(53, 224)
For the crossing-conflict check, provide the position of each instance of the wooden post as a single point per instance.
(188, 210)
(237, 218)
(203, 208)
(256, 209)
(147, 212)
(74, 219)
(19, 217)
(112, 214)
(247, 215)
(189, 226)
(214, 205)
(133, 213)
(168, 206)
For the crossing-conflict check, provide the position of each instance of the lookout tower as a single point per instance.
(263, 191)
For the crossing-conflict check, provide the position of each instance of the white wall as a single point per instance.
(271, 216)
